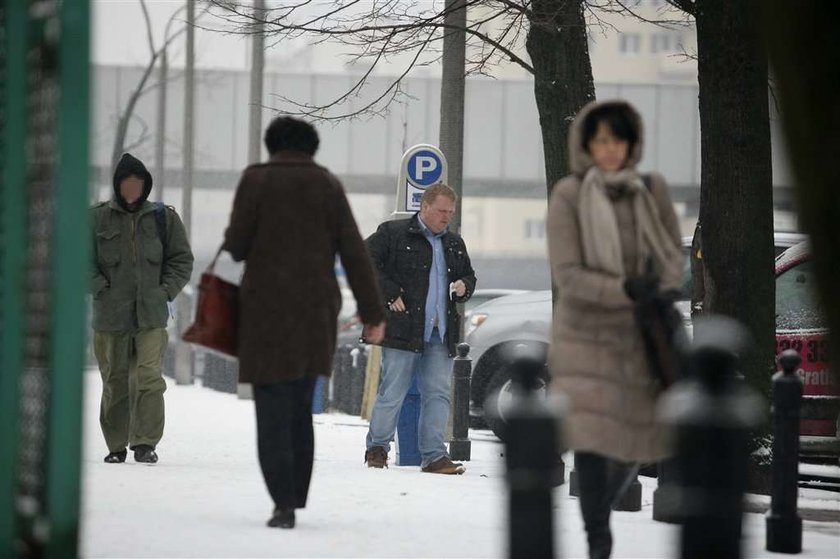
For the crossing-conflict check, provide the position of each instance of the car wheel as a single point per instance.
(500, 396)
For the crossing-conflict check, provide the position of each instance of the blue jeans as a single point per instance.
(433, 368)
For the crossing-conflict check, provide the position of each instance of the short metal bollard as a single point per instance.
(531, 457)
(460, 445)
(783, 524)
(712, 413)
(666, 505)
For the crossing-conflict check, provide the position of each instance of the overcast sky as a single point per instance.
(119, 36)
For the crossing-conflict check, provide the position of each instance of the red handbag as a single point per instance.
(217, 313)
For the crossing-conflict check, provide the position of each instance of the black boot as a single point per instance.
(595, 502)
(117, 457)
(145, 453)
(282, 518)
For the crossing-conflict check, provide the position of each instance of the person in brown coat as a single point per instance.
(613, 238)
(290, 220)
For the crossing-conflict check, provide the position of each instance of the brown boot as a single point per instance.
(376, 457)
(444, 465)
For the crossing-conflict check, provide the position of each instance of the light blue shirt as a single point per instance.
(438, 285)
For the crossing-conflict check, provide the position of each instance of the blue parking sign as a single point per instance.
(424, 168)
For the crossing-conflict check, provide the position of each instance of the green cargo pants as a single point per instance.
(131, 412)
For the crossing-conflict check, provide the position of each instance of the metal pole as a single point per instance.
(189, 128)
(183, 350)
(452, 87)
(160, 143)
(783, 524)
(14, 27)
(70, 283)
(460, 445)
(257, 65)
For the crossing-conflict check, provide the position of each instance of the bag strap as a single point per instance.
(212, 266)
(160, 224)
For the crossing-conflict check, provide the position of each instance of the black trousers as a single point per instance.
(285, 439)
(601, 482)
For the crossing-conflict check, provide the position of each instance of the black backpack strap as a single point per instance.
(648, 180)
(160, 224)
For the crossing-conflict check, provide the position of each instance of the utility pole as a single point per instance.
(189, 127)
(452, 98)
(160, 142)
(183, 350)
(257, 65)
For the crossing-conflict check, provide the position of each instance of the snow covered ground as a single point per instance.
(206, 498)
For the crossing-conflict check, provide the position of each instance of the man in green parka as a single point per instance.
(141, 261)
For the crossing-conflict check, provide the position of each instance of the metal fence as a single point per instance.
(44, 244)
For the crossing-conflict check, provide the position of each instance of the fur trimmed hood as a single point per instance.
(579, 160)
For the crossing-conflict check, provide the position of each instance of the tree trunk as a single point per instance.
(563, 82)
(805, 54)
(736, 197)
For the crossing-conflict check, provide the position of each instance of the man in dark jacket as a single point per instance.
(424, 270)
(141, 260)
(290, 220)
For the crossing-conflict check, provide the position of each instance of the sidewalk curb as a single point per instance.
(761, 504)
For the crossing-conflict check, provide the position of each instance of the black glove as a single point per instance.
(641, 288)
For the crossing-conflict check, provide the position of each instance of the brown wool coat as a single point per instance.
(597, 357)
(290, 220)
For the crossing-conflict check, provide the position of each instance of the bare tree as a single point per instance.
(736, 194)
(127, 114)
(554, 32)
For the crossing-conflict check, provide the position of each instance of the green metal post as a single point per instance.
(12, 257)
(70, 282)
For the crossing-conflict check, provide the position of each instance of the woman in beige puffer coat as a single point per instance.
(611, 237)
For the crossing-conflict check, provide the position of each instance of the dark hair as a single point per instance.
(287, 133)
(620, 119)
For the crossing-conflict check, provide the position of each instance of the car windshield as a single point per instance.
(796, 306)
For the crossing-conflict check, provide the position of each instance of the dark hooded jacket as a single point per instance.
(403, 256)
(133, 274)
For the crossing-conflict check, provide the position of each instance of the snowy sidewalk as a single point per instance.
(206, 498)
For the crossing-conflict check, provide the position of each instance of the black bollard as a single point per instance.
(574, 487)
(531, 457)
(784, 527)
(666, 506)
(712, 413)
(460, 445)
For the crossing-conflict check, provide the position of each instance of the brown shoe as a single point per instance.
(444, 465)
(376, 457)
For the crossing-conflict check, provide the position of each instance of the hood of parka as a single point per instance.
(579, 159)
(129, 166)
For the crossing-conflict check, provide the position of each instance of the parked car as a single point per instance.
(350, 328)
(507, 322)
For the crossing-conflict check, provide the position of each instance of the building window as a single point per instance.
(664, 43)
(629, 43)
(535, 229)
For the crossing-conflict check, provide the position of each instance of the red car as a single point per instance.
(800, 326)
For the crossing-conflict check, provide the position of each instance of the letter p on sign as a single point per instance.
(424, 165)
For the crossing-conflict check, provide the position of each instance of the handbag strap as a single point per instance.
(212, 267)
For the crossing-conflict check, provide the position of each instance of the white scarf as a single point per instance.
(600, 236)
